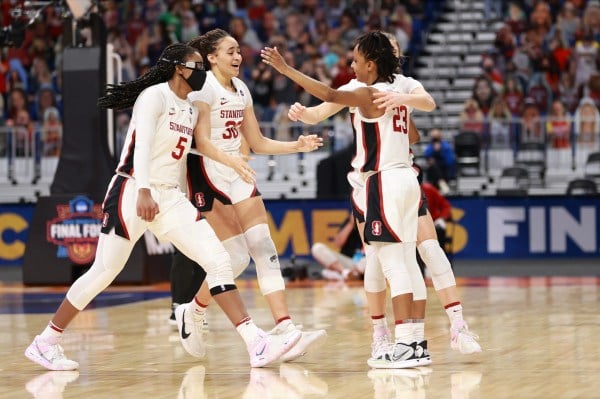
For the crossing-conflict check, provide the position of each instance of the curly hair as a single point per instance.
(376, 47)
(123, 95)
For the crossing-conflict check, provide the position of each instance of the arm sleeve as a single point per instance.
(148, 108)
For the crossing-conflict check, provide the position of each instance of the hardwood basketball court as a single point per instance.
(539, 338)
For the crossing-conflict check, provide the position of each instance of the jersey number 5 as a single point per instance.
(179, 148)
(400, 119)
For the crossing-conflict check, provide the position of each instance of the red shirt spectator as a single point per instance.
(438, 206)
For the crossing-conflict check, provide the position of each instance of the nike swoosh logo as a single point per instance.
(224, 102)
(262, 350)
(171, 113)
(184, 335)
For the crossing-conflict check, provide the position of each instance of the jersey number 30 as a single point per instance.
(231, 131)
(400, 119)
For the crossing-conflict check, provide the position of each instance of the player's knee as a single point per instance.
(239, 262)
(218, 269)
(374, 280)
(438, 264)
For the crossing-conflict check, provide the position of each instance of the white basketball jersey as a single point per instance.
(161, 132)
(226, 110)
(382, 143)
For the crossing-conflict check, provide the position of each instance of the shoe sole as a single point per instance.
(179, 319)
(382, 364)
(317, 341)
(32, 355)
(293, 340)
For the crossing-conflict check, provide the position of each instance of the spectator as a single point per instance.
(261, 87)
(499, 124)
(587, 122)
(51, 132)
(569, 93)
(440, 155)
(45, 99)
(513, 95)
(516, 18)
(593, 89)
(483, 93)
(540, 92)
(558, 126)
(567, 23)
(244, 33)
(531, 128)
(189, 29)
(586, 52)
(471, 119)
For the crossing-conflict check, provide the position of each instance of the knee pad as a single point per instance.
(238, 252)
(218, 267)
(111, 255)
(263, 251)
(438, 264)
(374, 279)
(323, 254)
(416, 278)
(394, 268)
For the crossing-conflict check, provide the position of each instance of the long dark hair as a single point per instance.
(123, 95)
(207, 43)
(376, 47)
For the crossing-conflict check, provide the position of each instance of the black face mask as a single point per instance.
(196, 79)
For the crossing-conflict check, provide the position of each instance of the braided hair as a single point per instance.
(207, 43)
(376, 47)
(123, 95)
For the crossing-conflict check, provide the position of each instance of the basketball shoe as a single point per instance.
(462, 339)
(172, 320)
(400, 357)
(51, 384)
(189, 325)
(308, 339)
(422, 353)
(267, 348)
(380, 346)
(50, 356)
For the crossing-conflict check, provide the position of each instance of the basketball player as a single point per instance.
(144, 194)
(391, 192)
(227, 113)
(427, 242)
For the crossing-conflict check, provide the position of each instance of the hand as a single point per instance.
(309, 143)
(388, 99)
(241, 167)
(441, 223)
(271, 56)
(146, 207)
(295, 112)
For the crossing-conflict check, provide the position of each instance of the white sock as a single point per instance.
(419, 329)
(248, 330)
(284, 324)
(52, 334)
(454, 312)
(404, 332)
(380, 327)
(198, 308)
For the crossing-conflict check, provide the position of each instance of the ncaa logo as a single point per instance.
(376, 228)
(199, 198)
(105, 219)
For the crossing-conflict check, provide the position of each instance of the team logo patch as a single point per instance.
(200, 201)
(76, 229)
(376, 228)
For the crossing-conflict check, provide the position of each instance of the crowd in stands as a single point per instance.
(315, 36)
(541, 80)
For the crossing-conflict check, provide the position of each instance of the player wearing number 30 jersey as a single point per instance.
(226, 117)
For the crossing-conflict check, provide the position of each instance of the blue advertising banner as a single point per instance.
(482, 228)
(14, 228)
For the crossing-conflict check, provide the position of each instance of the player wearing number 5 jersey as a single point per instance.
(144, 195)
(226, 113)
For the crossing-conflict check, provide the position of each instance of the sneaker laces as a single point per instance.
(53, 353)
(467, 333)
(381, 345)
